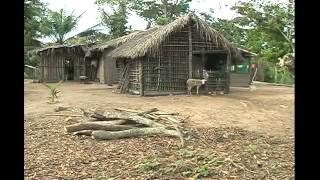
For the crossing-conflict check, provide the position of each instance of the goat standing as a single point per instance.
(195, 83)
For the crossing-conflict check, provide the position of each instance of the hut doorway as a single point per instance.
(215, 62)
(69, 69)
(216, 66)
(91, 69)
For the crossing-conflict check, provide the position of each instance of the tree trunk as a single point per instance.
(109, 125)
(105, 135)
(148, 111)
(145, 121)
(83, 132)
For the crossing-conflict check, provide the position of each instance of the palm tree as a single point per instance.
(59, 24)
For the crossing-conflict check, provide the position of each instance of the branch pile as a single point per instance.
(127, 123)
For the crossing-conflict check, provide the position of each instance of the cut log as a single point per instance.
(84, 112)
(98, 116)
(128, 110)
(106, 135)
(171, 119)
(60, 108)
(180, 134)
(109, 125)
(108, 117)
(145, 121)
(148, 111)
(164, 113)
(70, 115)
(83, 132)
(153, 117)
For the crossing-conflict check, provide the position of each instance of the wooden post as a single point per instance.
(227, 85)
(141, 90)
(190, 52)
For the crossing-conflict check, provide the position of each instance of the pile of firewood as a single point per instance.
(126, 123)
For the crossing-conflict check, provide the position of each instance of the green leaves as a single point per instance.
(160, 12)
(148, 165)
(53, 90)
(59, 24)
(116, 20)
(34, 14)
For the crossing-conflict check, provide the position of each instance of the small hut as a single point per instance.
(61, 62)
(101, 66)
(160, 60)
(241, 72)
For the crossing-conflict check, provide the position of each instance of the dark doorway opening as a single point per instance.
(91, 69)
(216, 62)
(69, 69)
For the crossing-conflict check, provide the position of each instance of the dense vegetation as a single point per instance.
(263, 27)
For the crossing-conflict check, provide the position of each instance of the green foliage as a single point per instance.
(34, 15)
(280, 75)
(148, 165)
(31, 60)
(188, 153)
(116, 20)
(54, 91)
(201, 171)
(93, 37)
(162, 20)
(252, 147)
(160, 12)
(59, 24)
(263, 27)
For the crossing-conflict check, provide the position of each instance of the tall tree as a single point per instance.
(270, 27)
(34, 14)
(229, 28)
(115, 18)
(160, 11)
(89, 36)
(59, 24)
(270, 33)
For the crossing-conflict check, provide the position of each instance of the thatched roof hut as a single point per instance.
(60, 49)
(61, 62)
(161, 59)
(139, 43)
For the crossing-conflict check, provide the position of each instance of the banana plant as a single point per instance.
(54, 91)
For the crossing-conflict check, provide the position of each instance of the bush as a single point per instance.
(274, 74)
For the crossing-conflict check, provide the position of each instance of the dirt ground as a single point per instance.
(250, 136)
(269, 109)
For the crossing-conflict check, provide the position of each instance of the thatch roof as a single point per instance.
(97, 49)
(56, 48)
(147, 41)
(118, 41)
(247, 52)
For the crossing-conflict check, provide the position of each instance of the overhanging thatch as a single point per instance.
(118, 41)
(97, 49)
(58, 48)
(247, 52)
(150, 40)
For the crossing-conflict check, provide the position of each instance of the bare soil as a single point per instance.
(262, 117)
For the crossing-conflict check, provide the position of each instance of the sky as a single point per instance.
(91, 16)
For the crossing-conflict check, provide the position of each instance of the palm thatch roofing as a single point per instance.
(58, 48)
(247, 52)
(140, 43)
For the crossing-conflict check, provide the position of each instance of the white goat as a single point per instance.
(195, 83)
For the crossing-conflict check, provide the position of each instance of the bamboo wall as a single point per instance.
(100, 70)
(53, 68)
(166, 70)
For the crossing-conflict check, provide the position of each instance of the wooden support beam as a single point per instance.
(227, 84)
(141, 78)
(210, 51)
(190, 52)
